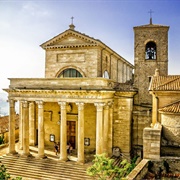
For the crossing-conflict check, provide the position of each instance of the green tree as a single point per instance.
(103, 167)
(4, 175)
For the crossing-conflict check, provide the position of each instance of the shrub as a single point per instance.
(103, 168)
(4, 175)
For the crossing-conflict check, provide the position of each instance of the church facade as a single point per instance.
(89, 96)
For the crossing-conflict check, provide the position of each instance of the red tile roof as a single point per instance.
(171, 108)
(4, 123)
(165, 83)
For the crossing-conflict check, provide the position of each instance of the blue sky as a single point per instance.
(24, 25)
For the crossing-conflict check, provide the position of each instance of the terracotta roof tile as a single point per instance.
(4, 123)
(165, 83)
(171, 108)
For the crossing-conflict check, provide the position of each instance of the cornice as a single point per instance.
(83, 94)
(70, 46)
(125, 94)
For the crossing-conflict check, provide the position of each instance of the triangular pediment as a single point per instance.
(70, 38)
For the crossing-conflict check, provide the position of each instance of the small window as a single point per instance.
(106, 75)
(150, 51)
(70, 73)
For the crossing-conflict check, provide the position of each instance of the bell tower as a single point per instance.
(150, 53)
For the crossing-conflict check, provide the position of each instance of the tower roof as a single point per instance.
(151, 26)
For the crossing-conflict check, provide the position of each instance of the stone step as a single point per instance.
(35, 161)
(34, 168)
(26, 172)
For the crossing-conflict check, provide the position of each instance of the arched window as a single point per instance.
(150, 50)
(106, 75)
(70, 73)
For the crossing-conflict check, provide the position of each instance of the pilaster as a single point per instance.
(110, 129)
(106, 128)
(32, 124)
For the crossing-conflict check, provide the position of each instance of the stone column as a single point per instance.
(155, 109)
(106, 129)
(20, 126)
(124, 72)
(12, 127)
(110, 132)
(80, 132)
(99, 128)
(32, 124)
(63, 133)
(25, 119)
(40, 129)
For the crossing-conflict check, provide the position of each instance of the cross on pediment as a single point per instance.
(72, 19)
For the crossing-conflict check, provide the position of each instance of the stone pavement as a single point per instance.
(49, 152)
(33, 150)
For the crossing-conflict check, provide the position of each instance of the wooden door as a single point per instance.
(71, 133)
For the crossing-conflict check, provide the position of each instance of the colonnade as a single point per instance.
(103, 128)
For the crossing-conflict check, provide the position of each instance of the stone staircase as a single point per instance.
(32, 168)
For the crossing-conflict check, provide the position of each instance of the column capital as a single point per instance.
(80, 105)
(110, 103)
(99, 105)
(12, 102)
(40, 104)
(63, 104)
(25, 104)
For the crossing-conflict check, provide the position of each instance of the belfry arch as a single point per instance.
(150, 51)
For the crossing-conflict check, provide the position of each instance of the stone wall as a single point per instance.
(84, 60)
(141, 119)
(152, 142)
(139, 171)
(122, 122)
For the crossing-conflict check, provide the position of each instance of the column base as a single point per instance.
(63, 159)
(12, 153)
(81, 162)
(42, 156)
(26, 155)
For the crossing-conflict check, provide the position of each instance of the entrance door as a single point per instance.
(71, 133)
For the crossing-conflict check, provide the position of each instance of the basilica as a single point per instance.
(96, 100)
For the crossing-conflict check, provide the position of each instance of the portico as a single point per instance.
(32, 107)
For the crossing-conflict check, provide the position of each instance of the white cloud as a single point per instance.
(30, 8)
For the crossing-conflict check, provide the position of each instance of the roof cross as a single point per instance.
(150, 12)
(72, 19)
(72, 26)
